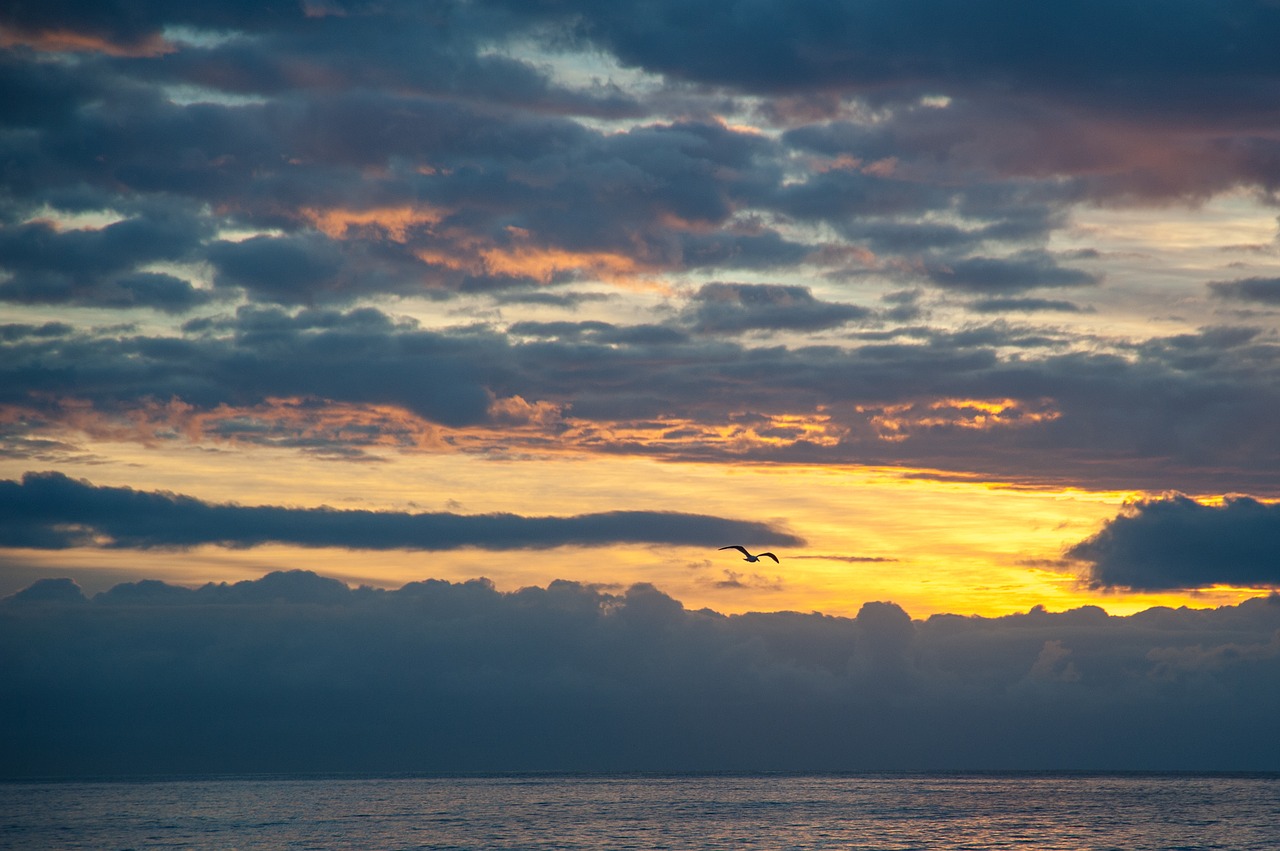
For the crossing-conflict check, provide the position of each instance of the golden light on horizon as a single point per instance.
(931, 544)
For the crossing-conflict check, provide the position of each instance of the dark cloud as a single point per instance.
(292, 115)
(1072, 51)
(1024, 305)
(433, 53)
(494, 195)
(603, 333)
(570, 300)
(38, 93)
(359, 355)
(1024, 271)
(126, 24)
(59, 590)
(875, 181)
(52, 511)
(304, 269)
(763, 250)
(1178, 543)
(734, 308)
(1261, 290)
(157, 290)
(100, 268)
(295, 672)
(19, 330)
(1204, 350)
(1167, 412)
(843, 195)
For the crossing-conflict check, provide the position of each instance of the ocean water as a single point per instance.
(882, 812)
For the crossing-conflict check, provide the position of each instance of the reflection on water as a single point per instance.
(883, 812)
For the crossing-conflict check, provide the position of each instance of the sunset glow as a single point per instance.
(514, 389)
(934, 339)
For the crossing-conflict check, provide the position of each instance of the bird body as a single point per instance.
(749, 556)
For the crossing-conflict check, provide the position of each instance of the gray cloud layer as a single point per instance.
(53, 511)
(1189, 411)
(298, 673)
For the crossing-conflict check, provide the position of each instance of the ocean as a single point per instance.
(1038, 812)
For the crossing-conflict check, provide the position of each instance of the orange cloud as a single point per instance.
(304, 423)
(832, 254)
(69, 41)
(343, 428)
(514, 410)
(746, 434)
(843, 162)
(514, 423)
(896, 422)
(466, 252)
(339, 223)
(544, 264)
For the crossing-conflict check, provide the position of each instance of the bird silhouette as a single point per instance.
(749, 556)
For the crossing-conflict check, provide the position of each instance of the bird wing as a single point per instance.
(742, 550)
(769, 555)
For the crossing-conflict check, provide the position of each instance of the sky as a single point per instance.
(962, 310)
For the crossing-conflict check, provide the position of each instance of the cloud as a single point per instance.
(53, 511)
(361, 355)
(20, 330)
(603, 333)
(1178, 543)
(59, 590)
(927, 45)
(1024, 305)
(283, 165)
(734, 308)
(1188, 410)
(1261, 290)
(282, 270)
(296, 672)
(101, 267)
(998, 275)
(568, 300)
(481, 199)
(772, 47)
(955, 141)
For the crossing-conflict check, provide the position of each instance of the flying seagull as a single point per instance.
(749, 556)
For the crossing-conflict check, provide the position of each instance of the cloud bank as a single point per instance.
(53, 511)
(294, 672)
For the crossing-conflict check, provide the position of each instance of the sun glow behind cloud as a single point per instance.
(982, 342)
(933, 545)
(939, 329)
